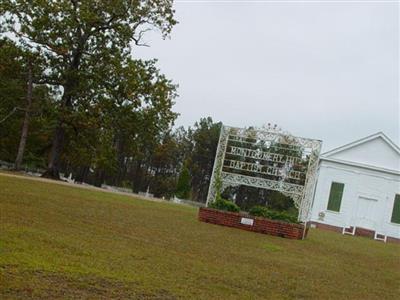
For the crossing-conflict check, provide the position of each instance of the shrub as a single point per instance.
(261, 211)
(258, 211)
(222, 204)
(183, 185)
(283, 216)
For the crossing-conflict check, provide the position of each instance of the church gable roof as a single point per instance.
(376, 151)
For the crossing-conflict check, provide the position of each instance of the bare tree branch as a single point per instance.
(139, 37)
(11, 113)
(47, 81)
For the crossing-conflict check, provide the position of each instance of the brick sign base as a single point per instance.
(261, 225)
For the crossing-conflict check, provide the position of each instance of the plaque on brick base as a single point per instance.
(247, 221)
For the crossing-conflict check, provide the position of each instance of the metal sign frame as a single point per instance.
(267, 169)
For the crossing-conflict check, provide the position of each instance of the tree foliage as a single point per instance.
(80, 41)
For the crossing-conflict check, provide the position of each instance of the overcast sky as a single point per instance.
(321, 70)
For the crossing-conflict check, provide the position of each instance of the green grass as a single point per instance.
(63, 242)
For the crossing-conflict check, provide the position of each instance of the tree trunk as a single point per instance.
(99, 177)
(55, 153)
(25, 125)
(119, 148)
(137, 178)
(66, 105)
(53, 166)
(81, 174)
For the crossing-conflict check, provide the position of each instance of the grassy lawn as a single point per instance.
(62, 242)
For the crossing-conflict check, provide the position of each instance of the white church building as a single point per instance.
(358, 189)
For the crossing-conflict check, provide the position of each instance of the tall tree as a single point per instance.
(73, 36)
(122, 124)
(201, 160)
(12, 93)
(19, 70)
(25, 124)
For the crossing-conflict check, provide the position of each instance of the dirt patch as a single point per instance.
(36, 284)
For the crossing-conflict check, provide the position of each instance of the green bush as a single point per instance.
(261, 211)
(183, 186)
(258, 211)
(222, 204)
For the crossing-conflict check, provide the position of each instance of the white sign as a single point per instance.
(247, 221)
(266, 158)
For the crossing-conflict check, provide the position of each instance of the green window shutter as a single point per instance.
(335, 196)
(396, 210)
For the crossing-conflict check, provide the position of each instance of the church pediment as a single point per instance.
(376, 150)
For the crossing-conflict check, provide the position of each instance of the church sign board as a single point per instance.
(267, 158)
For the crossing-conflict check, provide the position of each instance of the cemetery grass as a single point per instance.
(58, 241)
